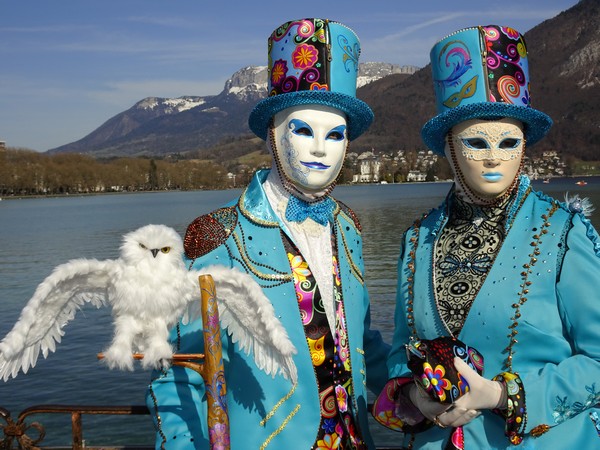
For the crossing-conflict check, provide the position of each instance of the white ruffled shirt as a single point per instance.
(312, 239)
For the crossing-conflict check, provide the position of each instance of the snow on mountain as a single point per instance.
(248, 83)
(170, 105)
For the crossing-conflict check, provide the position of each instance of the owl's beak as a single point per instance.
(154, 251)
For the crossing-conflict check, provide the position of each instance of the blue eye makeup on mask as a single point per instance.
(337, 133)
(482, 144)
(300, 127)
(476, 143)
(510, 143)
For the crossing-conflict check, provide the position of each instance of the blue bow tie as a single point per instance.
(298, 210)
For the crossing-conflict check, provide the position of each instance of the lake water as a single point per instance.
(38, 234)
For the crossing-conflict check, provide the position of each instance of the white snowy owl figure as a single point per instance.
(149, 289)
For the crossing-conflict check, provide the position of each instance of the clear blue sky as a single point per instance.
(67, 66)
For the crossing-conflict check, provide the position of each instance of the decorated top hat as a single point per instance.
(482, 73)
(312, 62)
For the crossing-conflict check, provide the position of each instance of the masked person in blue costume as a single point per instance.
(509, 272)
(305, 250)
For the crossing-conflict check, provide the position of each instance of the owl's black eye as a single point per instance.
(142, 246)
(165, 249)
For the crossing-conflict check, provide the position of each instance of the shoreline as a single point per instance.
(90, 194)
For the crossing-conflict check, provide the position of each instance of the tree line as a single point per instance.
(26, 172)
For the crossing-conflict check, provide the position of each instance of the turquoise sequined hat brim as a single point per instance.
(358, 114)
(537, 124)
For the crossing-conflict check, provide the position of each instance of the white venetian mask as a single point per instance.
(310, 144)
(486, 157)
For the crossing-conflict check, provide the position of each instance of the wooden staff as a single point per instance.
(212, 369)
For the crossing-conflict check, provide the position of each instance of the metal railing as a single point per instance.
(25, 434)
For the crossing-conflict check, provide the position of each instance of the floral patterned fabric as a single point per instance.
(308, 59)
(432, 363)
(330, 356)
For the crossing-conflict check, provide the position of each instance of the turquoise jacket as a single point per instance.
(264, 411)
(558, 350)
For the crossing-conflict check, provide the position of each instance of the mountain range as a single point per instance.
(564, 66)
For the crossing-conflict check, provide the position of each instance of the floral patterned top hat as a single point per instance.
(482, 73)
(312, 61)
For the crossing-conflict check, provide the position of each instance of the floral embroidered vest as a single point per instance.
(330, 356)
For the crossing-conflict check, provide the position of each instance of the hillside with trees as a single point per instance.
(24, 172)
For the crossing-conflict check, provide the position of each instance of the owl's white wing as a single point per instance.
(249, 318)
(53, 305)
